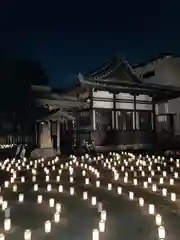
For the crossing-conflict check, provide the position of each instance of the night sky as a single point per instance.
(77, 36)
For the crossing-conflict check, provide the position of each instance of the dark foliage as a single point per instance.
(16, 97)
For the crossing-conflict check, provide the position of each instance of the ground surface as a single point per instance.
(126, 219)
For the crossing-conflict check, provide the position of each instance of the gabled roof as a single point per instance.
(118, 76)
(116, 70)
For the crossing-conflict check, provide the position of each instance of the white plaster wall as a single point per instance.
(121, 105)
(142, 106)
(124, 96)
(102, 94)
(102, 104)
(144, 98)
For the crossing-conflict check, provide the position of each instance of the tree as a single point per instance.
(16, 98)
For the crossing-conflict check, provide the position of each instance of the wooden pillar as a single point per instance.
(114, 110)
(58, 136)
(154, 123)
(92, 114)
(135, 116)
(154, 116)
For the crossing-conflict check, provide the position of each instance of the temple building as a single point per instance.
(121, 107)
(116, 106)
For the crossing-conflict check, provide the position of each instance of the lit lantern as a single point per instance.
(164, 192)
(57, 178)
(58, 207)
(135, 182)
(47, 227)
(7, 224)
(27, 234)
(71, 191)
(12, 180)
(109, 186)
(173, 197)
(56, 217)
(71, 180)
(103, 216)
(93, 201)
(47, 178)
(145, 185)
(164, 174)
(39, 199)
(49, 187)
(143, 174)
(14, 188)
(152, 173)
(22, 179)
(85, 195)
(116, 176)
(161, 232)
(101, 226)
(95, 234)
(51, 202)
(97, 183)
(60, 188)
(2, 237)
(119, 190)
(149, 180)
(158, 220)
(171, 181)
(151, 209)
(6, 184)
(125, 179)
(131, 196)
(158, 168)
(34, 178)
(21, 198)
(35, 187)
(161, 180)
(154, 188)
(176, 175)
(87, 181)
(141, 202)
(4, 205)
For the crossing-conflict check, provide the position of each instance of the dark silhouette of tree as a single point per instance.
(16, 97)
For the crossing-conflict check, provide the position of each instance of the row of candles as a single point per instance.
(151, 207)
(47, 225)
(49, 187)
